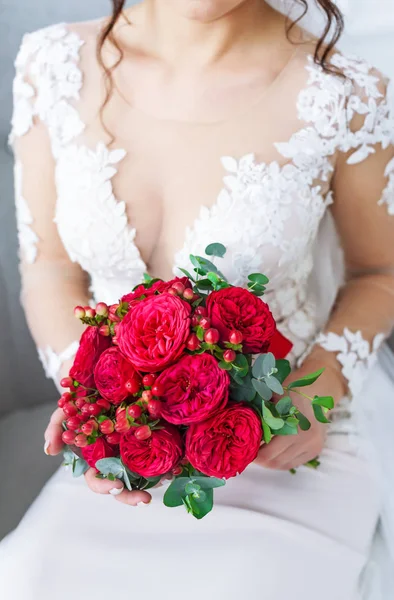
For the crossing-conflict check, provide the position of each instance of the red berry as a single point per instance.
(61, 402)
(120, 410)
(235, 337)
(107, 426)
(154, 408)
(103, 403)
(188, 294)
(89, 427)
(79, 312)
(229, 356)
(195, 321)
(68, 437)
(81, 393)
(95, 410)
(147, 396)
(112, 316)
(212, 336)
(79, 402)
(205, 323)
(85, 409)
(201, 311)
(102, 309)
(67, 382)
(149, 380)
(134, 411)
(70, 409)
(193, 343)
(133, 385)
(178, 287)
(67, 396)
(122, 425)
(113, 439)
(157, 389)
(90, 313)
(73, 423)
(177, 471)
(81, 440)
(143, 433)
(172, 291)
(104, 330)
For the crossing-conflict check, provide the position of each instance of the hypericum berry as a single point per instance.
(177, 471)
(112, 316)
(70, 409)
(133, 385)
(193, 343)
(143, 433)
(95, 410)
(229, 356)
(235, 337)
(67, 382)
(90, 312)
(102, 309)
(188, 294)
(172, 291)
(79, 312)
(154, 408)
(147, 396)
(195, 321)
(122, 425)
(67, 396)
(81, 440)
(79, 402)
(105, 330)
(201, 311)
(205, 322)
(134, 411)
(113, 439)
(178, 287)
(107, 426)
(120, 410)
(149, 380)
(103, 403)
(157, 389)
(85, 409)
(68, 437)
(89, 427)
(81, 393)
(73, 423)
(212, 336)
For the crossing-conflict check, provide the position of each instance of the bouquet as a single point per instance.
(183, 378)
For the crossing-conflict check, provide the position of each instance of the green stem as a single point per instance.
(297, 392)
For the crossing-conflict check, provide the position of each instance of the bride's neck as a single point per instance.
(179, 38)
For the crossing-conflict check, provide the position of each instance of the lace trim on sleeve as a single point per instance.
(28, 239)
(52, 362)
(355, 354)
(388, 193)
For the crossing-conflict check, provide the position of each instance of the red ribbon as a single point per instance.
(280, 346)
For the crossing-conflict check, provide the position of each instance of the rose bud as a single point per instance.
(149, 380)
(79, 312)
(69, 409)
(154, 408)
(68, 437)
(81, 440)
(90, 312)
(105, 330)
(134, 411)
(188, 294)
(143, 433)
(211, 336)
(107, 426)
(102, 309)
(229, 356)
(205, 323)
(235, 337)
(113, 439)
(133, 386)
(193, 343)
(67, 382)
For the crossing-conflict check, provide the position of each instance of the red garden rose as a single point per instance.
(91, 346)
(154, 332)
(193, 389)
(158, 286)
(100, 449)
(111, 374)
(237, 308)
(155, 456)
(224, 445)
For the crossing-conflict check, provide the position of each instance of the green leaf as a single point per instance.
(292, 421)
(69, 457)
(287, 429)
(258, 366)
(262, 389)
(213, 278)
(215, 250)
(204, 266)
(284, 369)
(199, 509)
(258, 278)
(319, 414)
(313, 464)
(272, 422)
(267, 432)
(200, 333)
(209, 483)
(204, 284)
(303, 422)
(268, 363)
(242, 363)
(324, 401)
(186, 273)
(80, 467)
(225, 365)
(147, 278)
(110, 465)
(192, 487)
(274, 384)
(151, 482)
(284, 405)
(241, 389)
(173, 496)
(307, 380)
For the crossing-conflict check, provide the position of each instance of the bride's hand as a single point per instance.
(54, 445)
(290, 452)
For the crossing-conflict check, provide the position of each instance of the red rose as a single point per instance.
(155, 456)
(224, 445)
(158, 286)
(154, 332)
(237, 308)
(100, 449)
(193, 389)
(91, 346)
(111, 374)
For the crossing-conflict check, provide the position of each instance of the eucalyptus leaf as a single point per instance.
(215, 250)
(192, 487)
(186, 273)
(284, 405)
(258, 366)
(267, 433)
(284, 369)
(307, 380)
(173, 496)
(225, 365)
(258, 278)
(274, 384)
(287, 429)
(200, 509)
(110, 465)
(80, 467)
(204, 266)
(262, 389)
(272, 422)
(209, 483)
(204, 284)
(213, 278)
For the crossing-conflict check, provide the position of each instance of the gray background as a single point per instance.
(26, 397)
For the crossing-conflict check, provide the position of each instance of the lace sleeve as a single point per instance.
(51, 284)
(363, 208)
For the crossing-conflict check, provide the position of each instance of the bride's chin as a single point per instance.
(205, 10)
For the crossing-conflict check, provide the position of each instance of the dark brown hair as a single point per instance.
(333, 29)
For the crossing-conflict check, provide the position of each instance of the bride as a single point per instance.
(140, 139)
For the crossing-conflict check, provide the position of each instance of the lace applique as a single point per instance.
(50, 58)
(52, 362)
(28, 240)
(388, 193)
(355, 354)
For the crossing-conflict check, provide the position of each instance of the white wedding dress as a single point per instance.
(271, 535)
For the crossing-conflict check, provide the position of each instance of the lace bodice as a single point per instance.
(267, 214)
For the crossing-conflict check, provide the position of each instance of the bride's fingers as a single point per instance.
(269, 455)
(53, 434)
(298, 461)
(136, 498)
(116, 489)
